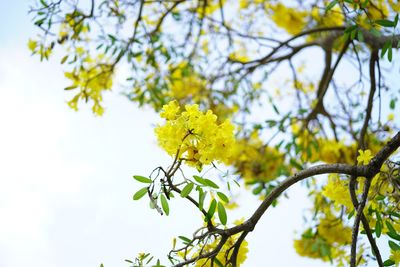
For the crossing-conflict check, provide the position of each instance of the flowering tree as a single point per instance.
(263, 93)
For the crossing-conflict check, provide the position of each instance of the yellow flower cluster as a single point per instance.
(395, 256)
(395, 5)
(304, 247)
(92, 80)
(333, 17)
(223, 110)
(289, 19)
(184, 82)
(364, 157)
(239, 56)
(211, 7)
(32, 44)
(195, 135)
(329, 150)
(312, 248)
(375, 10)
(327, 242)
(255, 161)
(41, 49)
(225, 252)
(337, 191)
(333, 230)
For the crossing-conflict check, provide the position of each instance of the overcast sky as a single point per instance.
(66, 177)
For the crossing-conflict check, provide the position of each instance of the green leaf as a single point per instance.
(331, 5)
(218, 262)
(385, 48)
(379, 197)
(70, 87)
(211, 209)
(395, 214)
(187, 189)
(364, 4)
(389, 263)
(378, 228)
(390, 54)
(101, 265)
(202, 197)
(351, 214)
(211, 183)
(314, 247)
(223, 197)
(392, 104)
(199, 179)
(390, 227)
(142, 179)
(385, 22)
(184, 239)
(222, 213)
(164, 204)
(295, 164)
(139, 194)
(158, 264)
(350, 29)
(325, 250)
(394, 236)
(308, 234)
(375, 32)
(275, 108)
(360, 36)
(150, 259)
(112, 37)
(64, 59)
(392, 232)
(258, 189)
(353, 35)
(393, 245)
(40, 21)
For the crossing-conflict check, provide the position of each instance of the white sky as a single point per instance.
(65, 177)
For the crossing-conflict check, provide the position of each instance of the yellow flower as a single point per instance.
(337, 190)
(198, 136)
(395, 256)
(170, 110)
(92, 79)
(290, 19)
(333, 230)
(364, 156)
(304, 247)
(32, 45)
(239, 56)
(226, 249)
(184, 82)
(254, 160)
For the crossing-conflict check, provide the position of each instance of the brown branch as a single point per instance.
(326, 78)
(356, 225)
(368, 111)
(369, 170)
(205, 255)
(196, 44)
(164, 15)
(365, 223)
(238, 243)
